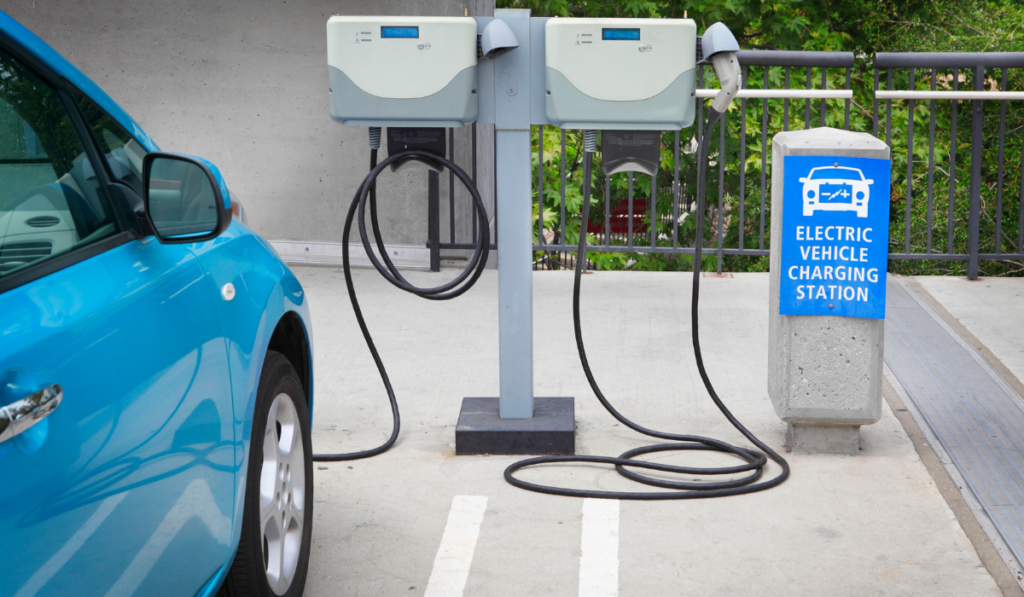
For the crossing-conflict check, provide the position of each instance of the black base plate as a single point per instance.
(551, 431)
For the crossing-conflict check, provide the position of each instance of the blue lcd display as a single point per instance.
(621, 34)
(401, 32)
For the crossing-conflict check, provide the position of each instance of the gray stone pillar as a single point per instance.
(824, 371)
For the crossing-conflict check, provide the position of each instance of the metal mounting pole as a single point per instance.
(514, 220)
(512, 93)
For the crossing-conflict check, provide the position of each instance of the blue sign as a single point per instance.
(835, 236)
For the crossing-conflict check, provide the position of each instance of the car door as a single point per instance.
(126, 487)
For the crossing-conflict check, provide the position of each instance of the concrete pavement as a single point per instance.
(869, 524)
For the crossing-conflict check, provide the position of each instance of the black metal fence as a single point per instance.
(976, 224)
(960, 222)
(434, 234)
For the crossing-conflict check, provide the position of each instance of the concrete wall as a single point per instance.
(244, 84)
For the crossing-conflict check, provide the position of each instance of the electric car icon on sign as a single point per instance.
(836, 188)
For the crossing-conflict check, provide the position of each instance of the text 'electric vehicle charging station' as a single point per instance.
(835, 236)
(625, 77)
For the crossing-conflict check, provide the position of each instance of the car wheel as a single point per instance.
(273, 553)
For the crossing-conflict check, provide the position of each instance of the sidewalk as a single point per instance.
(842, 525)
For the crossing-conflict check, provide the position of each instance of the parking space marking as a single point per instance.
(599, 564)
(57, 561)
(455, 554)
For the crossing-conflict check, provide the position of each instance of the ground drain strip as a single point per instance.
(972, 411)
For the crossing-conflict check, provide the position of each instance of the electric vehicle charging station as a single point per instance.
(621, 74)
(402, 72)
(534, 71)
(579, 56)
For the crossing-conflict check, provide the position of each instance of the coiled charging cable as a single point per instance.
(755, 460)
(367, 193)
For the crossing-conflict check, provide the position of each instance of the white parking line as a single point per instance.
(599, 565)
(455, 554)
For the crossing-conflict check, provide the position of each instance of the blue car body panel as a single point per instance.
(224, 192)
(142, 435)
(135, 484)
(261, 280)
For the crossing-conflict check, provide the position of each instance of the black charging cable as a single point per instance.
(755, 460)
(367, 193)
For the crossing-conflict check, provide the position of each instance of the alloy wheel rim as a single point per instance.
(282, 494)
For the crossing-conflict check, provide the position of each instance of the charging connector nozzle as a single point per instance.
(727, 69)
(719, 46)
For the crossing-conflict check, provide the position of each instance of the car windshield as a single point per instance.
(833, 173)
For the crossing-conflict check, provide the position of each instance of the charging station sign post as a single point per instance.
(835, 236)
(829, 251)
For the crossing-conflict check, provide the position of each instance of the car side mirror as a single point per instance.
(184, 198)
(869, 181)
(804, 179)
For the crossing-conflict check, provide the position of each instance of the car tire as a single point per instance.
(273, 552)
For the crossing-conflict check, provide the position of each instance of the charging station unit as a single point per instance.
(637, 74)
(416, 76)
(631, 78)
(402, 71)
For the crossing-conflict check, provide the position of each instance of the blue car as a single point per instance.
(156, 381)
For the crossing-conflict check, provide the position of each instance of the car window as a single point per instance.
(122, 152)
(50, 200)
(836, 174)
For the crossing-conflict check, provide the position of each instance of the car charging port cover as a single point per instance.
(430, 140)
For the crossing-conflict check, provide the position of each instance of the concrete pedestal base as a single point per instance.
(824, 371)
(822, 439)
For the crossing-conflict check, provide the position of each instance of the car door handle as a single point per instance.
(19, 416)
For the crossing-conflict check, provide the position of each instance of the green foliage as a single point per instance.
(863, 27)
(760, 24)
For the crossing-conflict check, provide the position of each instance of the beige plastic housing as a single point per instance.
(600, 83)
(429, 80)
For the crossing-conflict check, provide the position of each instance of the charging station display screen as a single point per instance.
(621, 34)
(400, 32)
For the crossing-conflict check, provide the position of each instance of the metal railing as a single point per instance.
(738, 198)
(634, 225)
(434, 242)
(956, 68)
